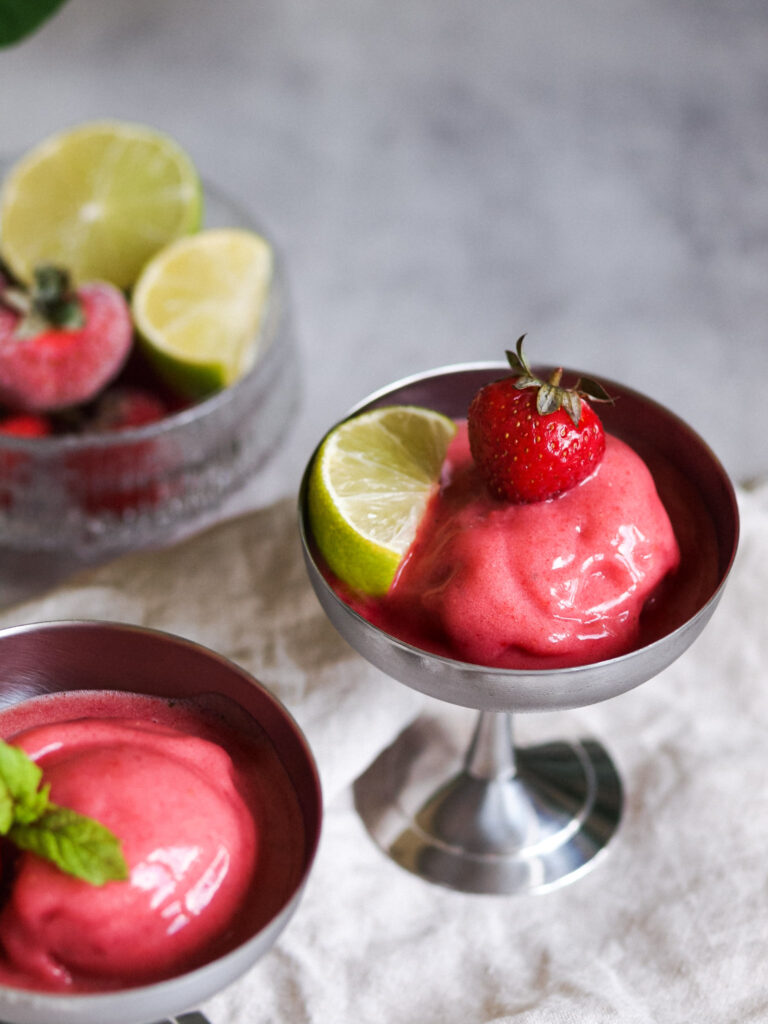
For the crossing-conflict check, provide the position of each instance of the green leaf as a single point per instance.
(6, 809)
(20, 798)
(593, 389)
(517, 358)
(74, 843)
(572, 405)
(19, 18)
(32, 806)
(19, 774)
(549, 399)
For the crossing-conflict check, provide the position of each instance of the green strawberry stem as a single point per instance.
(50, 303)
(551, 395)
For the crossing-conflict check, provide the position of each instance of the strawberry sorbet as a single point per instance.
(554, 583)
(202, 833)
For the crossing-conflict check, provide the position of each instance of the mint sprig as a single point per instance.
(75, 843)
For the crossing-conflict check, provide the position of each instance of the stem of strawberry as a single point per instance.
(51, 302)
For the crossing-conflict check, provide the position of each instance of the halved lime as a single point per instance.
(198, 306)
(369, 487)
(99, 199)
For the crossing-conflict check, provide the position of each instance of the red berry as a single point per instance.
(12, 463)
(125, 477)
(122, 408)
(59, 348)
(533, 440)
(25, 425)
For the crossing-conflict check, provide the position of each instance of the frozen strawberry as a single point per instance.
(126, 407)
(124, 477)
(25, 424)
(14, 462)
(59, 347)
(533, 439)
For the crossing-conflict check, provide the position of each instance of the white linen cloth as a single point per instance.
(671, 926)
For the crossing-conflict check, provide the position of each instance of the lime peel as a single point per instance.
(369, 486)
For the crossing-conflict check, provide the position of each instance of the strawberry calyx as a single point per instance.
(51, 303)
(551, 395)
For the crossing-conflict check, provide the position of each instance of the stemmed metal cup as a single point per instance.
(501, 818)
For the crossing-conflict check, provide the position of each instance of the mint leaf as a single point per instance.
(20, 777)
(6, 809)
(19, 18)
(75, 843)
(18, 771)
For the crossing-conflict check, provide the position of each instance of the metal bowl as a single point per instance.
(649, 427)
(51, 657)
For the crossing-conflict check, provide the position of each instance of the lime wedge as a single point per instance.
(369, 486)
(198, 306)
(99, 199)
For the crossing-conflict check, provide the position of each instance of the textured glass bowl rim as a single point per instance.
(175, 422)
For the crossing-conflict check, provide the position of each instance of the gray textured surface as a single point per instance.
(443, 175)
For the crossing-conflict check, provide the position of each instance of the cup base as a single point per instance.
(538, 826)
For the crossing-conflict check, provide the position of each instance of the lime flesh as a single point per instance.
(98, 199)
(198, 307)
(369, 486)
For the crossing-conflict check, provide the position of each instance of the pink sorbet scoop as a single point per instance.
(188, 838)
(560, 582)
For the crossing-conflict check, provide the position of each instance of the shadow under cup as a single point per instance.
(48, 658)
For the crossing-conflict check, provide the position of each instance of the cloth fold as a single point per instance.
(670, 927)
(240, 588)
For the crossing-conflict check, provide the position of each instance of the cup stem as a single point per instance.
(495, 818)
(491, 753)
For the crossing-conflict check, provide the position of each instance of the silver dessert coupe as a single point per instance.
(50, 657)
(498, 818)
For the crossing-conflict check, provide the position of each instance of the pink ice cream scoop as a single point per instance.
(187, 836)
(554, 583)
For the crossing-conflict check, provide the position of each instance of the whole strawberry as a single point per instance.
(60, 347)
(532, 439)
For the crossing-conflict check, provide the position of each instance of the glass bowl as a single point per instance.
(92, 495)
(46, 658)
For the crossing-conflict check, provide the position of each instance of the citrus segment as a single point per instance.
(368, 489)
(198, 306)
(99, 199)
